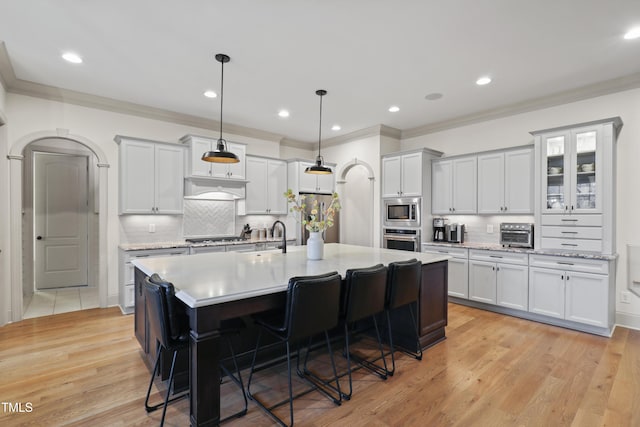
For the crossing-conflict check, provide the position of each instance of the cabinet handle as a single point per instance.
(497, 268)
(443, 252)
(569, 244)
(569, 219)
(564, 263)
(493, 268)
(567, 277)
(505, 208)
(571, 207)
(569, 232)
(495, 256)
(562, 277)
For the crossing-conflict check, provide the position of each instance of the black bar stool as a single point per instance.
(403, 288)
(313, 307)
(364, 296)
(170, 324)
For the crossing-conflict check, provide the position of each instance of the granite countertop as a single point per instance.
(498, 247)
(184, 244)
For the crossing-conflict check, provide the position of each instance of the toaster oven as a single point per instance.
(518, 235)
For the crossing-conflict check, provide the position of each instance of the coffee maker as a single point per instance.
(439, 230)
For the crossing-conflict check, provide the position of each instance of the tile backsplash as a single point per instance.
(202, 218)
(476, 226)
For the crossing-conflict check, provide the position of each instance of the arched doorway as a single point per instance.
(356, 181)
(17, 156)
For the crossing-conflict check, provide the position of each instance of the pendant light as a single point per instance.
(220, 154)
(319, 168)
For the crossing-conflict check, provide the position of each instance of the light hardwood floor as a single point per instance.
(86, 368)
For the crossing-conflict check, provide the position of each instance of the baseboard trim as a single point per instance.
(628, 320)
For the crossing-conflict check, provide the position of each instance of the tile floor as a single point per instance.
(55, 301)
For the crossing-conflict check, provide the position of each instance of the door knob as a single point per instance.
(39, 238)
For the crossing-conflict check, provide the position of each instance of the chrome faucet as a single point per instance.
(284, 234)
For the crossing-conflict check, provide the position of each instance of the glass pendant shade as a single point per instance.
(319, 168)
(220, 154)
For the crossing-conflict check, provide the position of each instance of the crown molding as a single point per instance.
(377, 130)
(7, 75)
(620, 84)
(23, 87)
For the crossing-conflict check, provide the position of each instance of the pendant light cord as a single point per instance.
(320, 127)
(221, 99)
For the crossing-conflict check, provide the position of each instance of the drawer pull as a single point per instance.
(569, 219)
(495, 256)
(443, 252)
(141, 256)
(564, 263)
(569, 244)
(569, 232)
(176, 253)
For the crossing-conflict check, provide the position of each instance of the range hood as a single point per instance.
(213, 189)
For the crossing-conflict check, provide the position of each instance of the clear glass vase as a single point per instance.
(315, 245)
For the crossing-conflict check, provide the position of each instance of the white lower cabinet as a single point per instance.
(546, 292)
(574, 289)
(127, 287)
(499, 278)
(458, 268)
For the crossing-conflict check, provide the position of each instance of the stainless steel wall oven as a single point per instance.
(401, 238)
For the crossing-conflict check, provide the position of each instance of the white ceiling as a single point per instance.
(368, 55)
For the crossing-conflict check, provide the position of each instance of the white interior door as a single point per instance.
(60, 212)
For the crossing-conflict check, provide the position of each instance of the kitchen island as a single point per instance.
(219, 286)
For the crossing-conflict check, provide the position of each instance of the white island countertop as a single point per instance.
(214, 278)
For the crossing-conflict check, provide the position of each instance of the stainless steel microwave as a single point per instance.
(402, 212)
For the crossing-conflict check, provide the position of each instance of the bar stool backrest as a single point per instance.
(313, 305)
(167, 325)
(403, 287)
(365, 292)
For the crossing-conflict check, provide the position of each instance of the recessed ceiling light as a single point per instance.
(283, 113)
(433, 96)
(483, 81)
(335, 127)
(210, 94)
(633, 33)
(394, 109)
(72, 57)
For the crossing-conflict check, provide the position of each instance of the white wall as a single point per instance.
(514, 130)
(27, 115)
(368, 151)
(5, 288)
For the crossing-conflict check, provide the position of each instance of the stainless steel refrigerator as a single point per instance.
(331, 234)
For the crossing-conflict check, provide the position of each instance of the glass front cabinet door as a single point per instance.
(571, 161)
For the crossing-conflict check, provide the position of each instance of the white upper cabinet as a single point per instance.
(454, 186)
(196, 167)
(575, 186)
(266, 187)
(311, 183)
(402, 175)
(151, 177)
(505, 182)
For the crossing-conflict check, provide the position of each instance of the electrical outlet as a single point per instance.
(152, 228)
(625, 297)
(489, 228)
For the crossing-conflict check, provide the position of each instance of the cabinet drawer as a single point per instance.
(572, 220)
(454, 252)
(499, 256)
(572, 232)
(571, 244)
(569, 264)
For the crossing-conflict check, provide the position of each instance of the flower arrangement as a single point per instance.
(318, 219)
